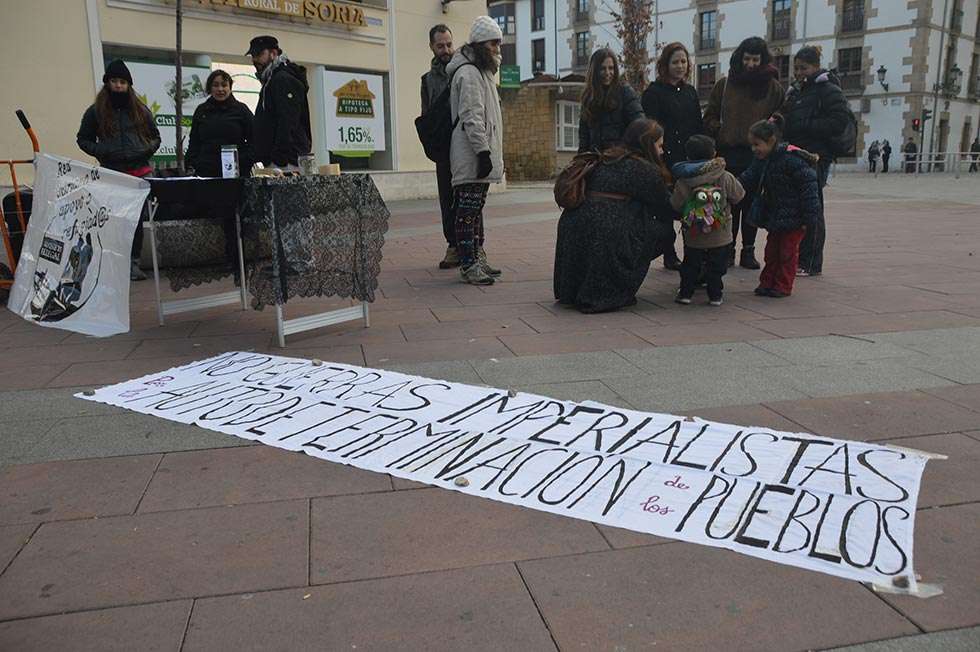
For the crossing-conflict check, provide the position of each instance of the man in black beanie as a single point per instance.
(281, 131)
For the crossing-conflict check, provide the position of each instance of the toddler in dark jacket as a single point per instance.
(704, 193)
(786, 202)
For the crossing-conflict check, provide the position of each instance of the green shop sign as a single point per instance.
(510, 76)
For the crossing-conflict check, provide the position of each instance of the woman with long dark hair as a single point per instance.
(673, 103)
(609, 104)
(749, 93)
(118, 131)
(605, 245)
(220, 120)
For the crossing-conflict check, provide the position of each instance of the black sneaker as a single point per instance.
(761, 291)
(683, 299)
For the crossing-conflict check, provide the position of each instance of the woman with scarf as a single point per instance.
(815, 110)
(118, 131)
(609, 104)
(751, 92)
(674, 104)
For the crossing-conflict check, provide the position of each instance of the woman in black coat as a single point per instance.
(221, 120)
(674, 103)
(609, 104)
(606, 244)
(815, 110)
(118, 130)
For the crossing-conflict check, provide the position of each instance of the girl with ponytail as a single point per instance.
(786, 202)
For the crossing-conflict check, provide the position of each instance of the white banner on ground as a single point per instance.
(845, 508)
(73, 271)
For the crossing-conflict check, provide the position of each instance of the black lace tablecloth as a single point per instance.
(303, 237)
(324, 236)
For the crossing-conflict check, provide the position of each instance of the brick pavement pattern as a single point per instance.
(120, 531)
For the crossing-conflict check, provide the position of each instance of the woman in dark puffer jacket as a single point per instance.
(609, 104)
(815, 109)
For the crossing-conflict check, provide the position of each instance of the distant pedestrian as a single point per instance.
(609, 104)
(886, 154)
(911, 151)
(874, 152)
(434, 82)
(281, 132)
(118, 130)
(787, 202)
(673, 103)
(815, 110)
(975, 154)
(751, 92)
(476, 153)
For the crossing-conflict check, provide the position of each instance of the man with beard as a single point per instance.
(751, 92)
(281, 131)
(434, 83)
(476, 153)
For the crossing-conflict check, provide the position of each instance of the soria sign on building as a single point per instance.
(327, 12)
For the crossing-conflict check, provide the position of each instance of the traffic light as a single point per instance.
(915, 124)
(926, 114)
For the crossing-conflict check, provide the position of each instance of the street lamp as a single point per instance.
(882, 71)
(951, 86)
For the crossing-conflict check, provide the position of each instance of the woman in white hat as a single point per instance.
(476, 153)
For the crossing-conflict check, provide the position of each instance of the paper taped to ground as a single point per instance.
(845, 508)
(73, 271)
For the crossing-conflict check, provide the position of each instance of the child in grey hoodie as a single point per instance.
(704, 193)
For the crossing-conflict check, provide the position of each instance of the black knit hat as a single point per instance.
(264, 42)
(117, 69)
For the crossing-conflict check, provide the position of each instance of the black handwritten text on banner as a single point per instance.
(845, 508)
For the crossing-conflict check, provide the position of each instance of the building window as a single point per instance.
(581, 9)
(850, 69)
(537, 15)
(504, 15)
(566, 122)
(782, 65)
(581, 48)
(853, 16)
(508, 54)
(708, 31)
(781, 20)
(706, 79)
(537, 55)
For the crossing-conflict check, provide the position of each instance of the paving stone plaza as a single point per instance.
(124, 531)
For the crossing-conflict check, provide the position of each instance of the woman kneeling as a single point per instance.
(605, 245)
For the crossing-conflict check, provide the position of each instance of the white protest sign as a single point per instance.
(73, 271)
(845, 508)
(155, 84)
(355, 111)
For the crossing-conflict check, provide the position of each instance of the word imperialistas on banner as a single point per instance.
(845, 508)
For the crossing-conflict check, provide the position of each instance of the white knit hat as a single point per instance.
(485, 28)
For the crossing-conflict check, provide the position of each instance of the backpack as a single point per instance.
(435, 127)
(571, 182)
(844, 142)
(704, 210)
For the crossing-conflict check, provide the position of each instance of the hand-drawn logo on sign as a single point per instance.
(355, 100)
